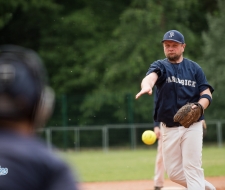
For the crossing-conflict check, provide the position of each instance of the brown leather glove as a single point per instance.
(187, 115)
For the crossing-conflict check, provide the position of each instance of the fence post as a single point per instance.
(77, 139)
(133, 137)
(64, 119)
(105, 139)
(219, 134)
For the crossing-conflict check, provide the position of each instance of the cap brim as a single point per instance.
(173, 40)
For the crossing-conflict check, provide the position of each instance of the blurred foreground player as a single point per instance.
(26, 103)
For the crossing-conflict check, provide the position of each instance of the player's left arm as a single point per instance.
(205, 89)
(205, 98)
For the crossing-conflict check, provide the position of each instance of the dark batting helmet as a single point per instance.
(24, 93)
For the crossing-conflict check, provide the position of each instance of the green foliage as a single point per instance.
(97, 52)
(134, 45)
(22, 22)
(213, 60)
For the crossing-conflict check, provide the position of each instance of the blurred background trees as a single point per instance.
(97, 52)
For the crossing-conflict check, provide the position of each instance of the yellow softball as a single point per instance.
(149, 137)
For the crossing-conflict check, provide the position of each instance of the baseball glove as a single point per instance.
(187, 115)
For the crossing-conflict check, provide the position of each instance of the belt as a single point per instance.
(179, 125)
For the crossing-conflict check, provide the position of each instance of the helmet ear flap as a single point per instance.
(44, 107)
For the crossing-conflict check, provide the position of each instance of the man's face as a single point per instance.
(173, 50)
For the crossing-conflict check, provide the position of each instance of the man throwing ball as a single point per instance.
(183, 95)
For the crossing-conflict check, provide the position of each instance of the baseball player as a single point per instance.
(26, 103)
(179, 81)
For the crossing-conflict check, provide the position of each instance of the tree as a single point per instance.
(22, 22)
(98, 51)
(213, 60)
(135, 44)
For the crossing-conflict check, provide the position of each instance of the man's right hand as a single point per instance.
(147, 84)
(144, 90)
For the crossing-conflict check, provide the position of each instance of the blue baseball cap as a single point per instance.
(174, 35)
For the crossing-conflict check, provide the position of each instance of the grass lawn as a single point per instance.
(120, 165)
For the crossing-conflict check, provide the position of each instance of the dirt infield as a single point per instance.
(218, 182)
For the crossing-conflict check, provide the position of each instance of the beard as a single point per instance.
(173, 57)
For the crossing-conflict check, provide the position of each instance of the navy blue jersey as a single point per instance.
(26, 164)
(177, 85)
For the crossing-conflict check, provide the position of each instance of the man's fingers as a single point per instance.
(138, 95)
(144, 91)
(194, 106)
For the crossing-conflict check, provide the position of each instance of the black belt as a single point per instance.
(179, 125)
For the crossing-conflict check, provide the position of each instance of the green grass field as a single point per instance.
(138, 164)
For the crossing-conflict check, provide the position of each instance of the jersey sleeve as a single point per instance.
(202, 81)
(159, 69)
